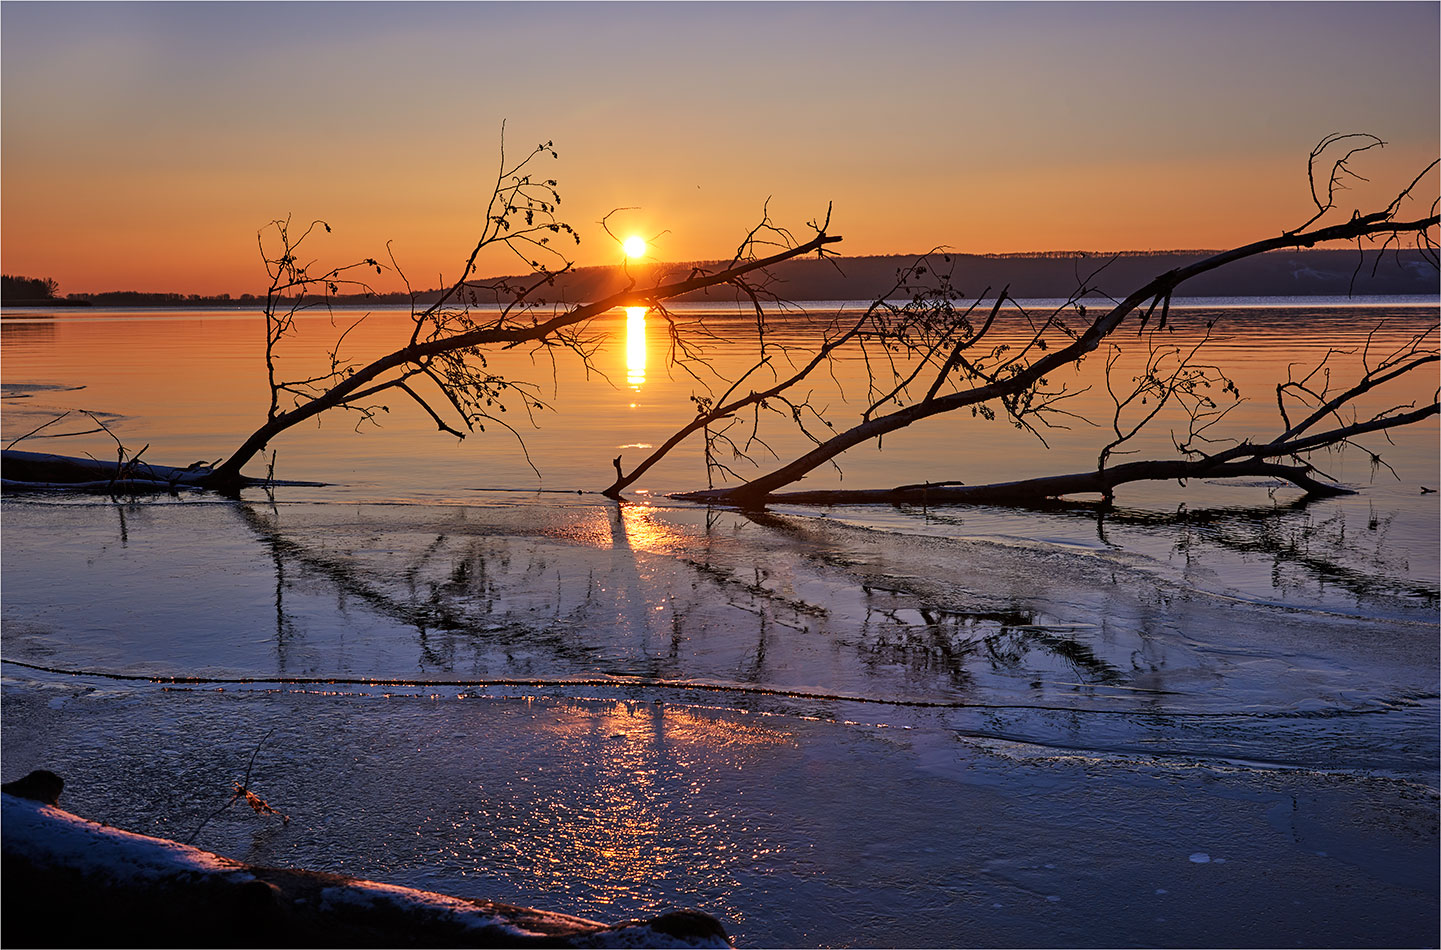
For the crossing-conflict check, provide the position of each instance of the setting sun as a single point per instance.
(634, 246)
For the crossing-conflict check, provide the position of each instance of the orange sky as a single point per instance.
(144, 145)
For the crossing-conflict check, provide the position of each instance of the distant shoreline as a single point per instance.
(19, 312)
(44, 303)
(1041, 276)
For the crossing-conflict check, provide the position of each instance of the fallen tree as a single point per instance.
(927, 358)
(441, 364)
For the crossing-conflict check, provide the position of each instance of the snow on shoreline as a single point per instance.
(49, 835)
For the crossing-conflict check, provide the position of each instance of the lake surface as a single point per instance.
(1208, 716)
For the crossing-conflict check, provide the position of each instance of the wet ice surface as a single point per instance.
(823, 734)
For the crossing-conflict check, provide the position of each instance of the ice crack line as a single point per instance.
(667, 685)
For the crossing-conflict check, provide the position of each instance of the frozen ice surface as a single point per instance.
(823, 734)
(794, 830)
(1017, 642)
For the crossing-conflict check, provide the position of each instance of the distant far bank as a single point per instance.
(45, 302)
(1044, 275)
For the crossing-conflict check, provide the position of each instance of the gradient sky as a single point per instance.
(145, 144)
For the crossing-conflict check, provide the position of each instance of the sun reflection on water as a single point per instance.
(635, 346)
(642, 529)
(620, 792)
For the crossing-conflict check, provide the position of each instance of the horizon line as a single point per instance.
(998, 255)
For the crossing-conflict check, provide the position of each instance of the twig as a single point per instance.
(242, 790)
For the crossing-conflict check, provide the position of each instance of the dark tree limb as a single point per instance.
(435, 416)
(1029, 491)
(875, 324)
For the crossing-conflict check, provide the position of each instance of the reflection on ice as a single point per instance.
(821, 734)
(773, 605)
(1338, 555)
(642, 528)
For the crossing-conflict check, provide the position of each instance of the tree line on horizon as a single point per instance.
(13, 287)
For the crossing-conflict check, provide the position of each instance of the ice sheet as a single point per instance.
(823, 734)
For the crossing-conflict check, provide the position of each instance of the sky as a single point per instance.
(145, 145)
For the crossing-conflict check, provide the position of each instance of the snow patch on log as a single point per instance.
(49, 835)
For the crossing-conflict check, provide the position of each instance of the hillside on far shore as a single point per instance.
(1050, 275)
(1331, 272)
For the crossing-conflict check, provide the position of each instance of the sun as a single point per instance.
(634, 246)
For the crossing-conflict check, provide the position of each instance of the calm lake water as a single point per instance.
(1208, 716)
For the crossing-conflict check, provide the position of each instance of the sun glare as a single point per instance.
(634, 246)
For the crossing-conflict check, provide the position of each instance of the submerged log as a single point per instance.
(73, 882)
(41, 471)
(1031, 491)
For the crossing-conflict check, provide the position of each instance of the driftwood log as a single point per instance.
(1039, 491)
(71, 882)
(41, 471)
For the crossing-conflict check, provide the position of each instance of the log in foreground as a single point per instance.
(73, 882)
